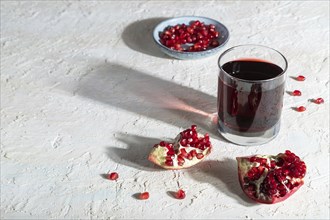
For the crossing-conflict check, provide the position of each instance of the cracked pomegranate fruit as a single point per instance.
(270, 179)
(188, 148)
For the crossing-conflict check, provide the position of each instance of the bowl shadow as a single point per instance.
(223, 175)
(138, 37)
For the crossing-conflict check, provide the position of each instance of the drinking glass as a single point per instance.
(250, 93)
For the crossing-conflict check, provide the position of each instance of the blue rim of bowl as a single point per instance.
(185, 52)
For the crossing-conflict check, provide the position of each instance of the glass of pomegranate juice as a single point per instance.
(250, 93)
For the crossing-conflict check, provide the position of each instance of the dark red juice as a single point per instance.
(246, 106)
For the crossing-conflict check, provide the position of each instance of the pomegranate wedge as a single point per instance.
(188, 149)
(270, 179)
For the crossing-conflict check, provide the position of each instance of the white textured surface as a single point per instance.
(84, 91)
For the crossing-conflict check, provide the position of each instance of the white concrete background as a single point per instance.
(84, 91)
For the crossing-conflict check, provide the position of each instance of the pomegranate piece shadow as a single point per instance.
(224, 176)
(136, 153)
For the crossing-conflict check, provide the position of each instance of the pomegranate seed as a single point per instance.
(193, 153)
(200, 156)
(300, 78)
(113, 176)
(301, 109)
(169, 162)
(216, 34)
(180, 194)
(183, 142)
(212, 26)
(169, 157)
(180, 158)
(318, 101)
(171, 152)
(282, 193)
(296, 93)
(214, 43)
(184, 153)
(144, 196)
(162, 143)
(194, 127)
(272, 164)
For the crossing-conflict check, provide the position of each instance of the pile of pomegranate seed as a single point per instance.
(196, 36)
(144, 196)
(180, 194)
(113, 176)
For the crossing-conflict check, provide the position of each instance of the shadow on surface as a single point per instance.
(136, 153)
(171, 194)
(150, 96)
(104, 175)
(138, 36)
(222, 175)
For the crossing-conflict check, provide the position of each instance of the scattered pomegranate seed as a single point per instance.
(113, 176)
(199, 36)
(144, 196)
(296, 93)
(318, 101)
(300, 78)
(180, 194)
(301, 109)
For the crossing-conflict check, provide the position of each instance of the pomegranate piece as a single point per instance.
(196, 36)
(180, 194)
(144, 196)
(296, 93)
(318, 101)
(113, 176)
(188, 149)
(300, 78)
(271, 179)
(300, 109)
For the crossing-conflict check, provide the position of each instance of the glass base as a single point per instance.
(248, 138)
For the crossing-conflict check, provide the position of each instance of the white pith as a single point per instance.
(160, 153)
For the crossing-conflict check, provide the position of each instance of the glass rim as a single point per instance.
(254, 81)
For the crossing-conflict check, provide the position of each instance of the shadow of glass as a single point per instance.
(150, 96)
(223, 175)
(138, 36)
(136, 153)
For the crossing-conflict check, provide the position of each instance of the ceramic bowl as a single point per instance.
(222, 39)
